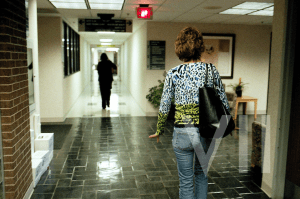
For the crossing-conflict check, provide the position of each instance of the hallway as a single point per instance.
(89, 102)
(112, 157)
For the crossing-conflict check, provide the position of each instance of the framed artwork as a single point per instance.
(219, 50)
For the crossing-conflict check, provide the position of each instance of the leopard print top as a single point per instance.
(183, 82)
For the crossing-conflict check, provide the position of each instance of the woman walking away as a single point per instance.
(104, 68)
(183, 83)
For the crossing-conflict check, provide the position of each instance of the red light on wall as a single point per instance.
(144, 12)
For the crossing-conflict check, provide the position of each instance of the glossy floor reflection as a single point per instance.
(109, 158)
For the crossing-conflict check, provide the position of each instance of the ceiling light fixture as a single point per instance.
(263, 13)
(69, 1)
(253, 5)
(270, 8)
(237, 12)
(105, 32)
(112, 49)
(106, 40)
(103, 6)
(106, 44)
(89, 4)
(106, 1)
(68, 5)
(251, 8)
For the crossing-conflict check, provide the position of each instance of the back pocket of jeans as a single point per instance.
(182, 141)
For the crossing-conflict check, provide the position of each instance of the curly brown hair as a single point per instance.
(189, 44)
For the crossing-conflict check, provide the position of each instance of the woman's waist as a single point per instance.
(186, 120)
(187, 109)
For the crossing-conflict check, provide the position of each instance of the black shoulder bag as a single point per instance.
(215, 120)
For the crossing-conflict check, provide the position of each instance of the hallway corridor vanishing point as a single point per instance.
(112, 157)
(89, 102)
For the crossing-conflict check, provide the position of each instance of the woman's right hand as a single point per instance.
(155, 136)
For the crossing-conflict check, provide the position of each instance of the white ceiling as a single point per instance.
(196, 11)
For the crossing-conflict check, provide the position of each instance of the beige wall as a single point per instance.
(251, 61)
(133, 71)
(50, 68)
(58, 93)
(73, 85)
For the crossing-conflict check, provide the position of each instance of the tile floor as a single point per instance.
(107, 158)
(107, 154)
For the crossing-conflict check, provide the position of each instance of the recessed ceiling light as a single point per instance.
(69, 5)
(105, 32)
(236, 12)
(106, 40)
(104, 6)
(106, 1)
(112, 49)
(263, 13)
(270, 8)
(253, 5)
(69, 1)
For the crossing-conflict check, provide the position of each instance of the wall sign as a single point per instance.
(156, 58)
(113, 25)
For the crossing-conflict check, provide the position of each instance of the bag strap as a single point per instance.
(206, 75)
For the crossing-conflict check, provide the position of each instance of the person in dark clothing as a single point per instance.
(105, 71)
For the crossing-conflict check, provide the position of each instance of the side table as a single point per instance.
(245, 100)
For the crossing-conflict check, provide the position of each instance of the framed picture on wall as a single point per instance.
(219, 50)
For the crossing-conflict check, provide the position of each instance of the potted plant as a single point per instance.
(155, 93)
(238, 88)
(154, 97)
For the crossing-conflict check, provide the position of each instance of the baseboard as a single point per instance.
(29, 191)
(52, 119)
(266, 188)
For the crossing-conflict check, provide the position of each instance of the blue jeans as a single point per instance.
(184, 140)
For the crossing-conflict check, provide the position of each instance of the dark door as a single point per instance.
(293, 156)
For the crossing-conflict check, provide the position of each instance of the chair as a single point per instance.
(258, 133)
(257, 153)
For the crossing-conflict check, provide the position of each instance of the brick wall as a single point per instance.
(14, 99)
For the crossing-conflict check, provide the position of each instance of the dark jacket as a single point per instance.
(104, 69)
